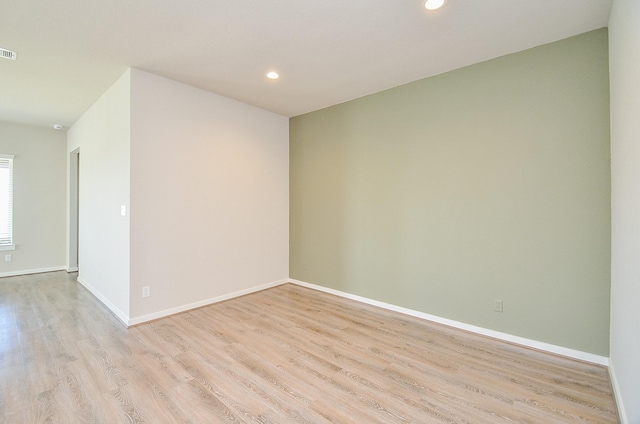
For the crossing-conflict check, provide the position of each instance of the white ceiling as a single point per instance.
(326, 51)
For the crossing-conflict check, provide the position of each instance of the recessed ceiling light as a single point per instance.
(273, 75)
(57, 127)
(434, 4)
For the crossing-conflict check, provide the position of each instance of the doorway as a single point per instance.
(74, 207)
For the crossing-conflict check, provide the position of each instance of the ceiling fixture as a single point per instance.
(273, 75)
(434, 4)
(57, 127)
(8, 54)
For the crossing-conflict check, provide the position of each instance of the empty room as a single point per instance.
(320, 212)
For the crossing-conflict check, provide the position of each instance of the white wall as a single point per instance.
(39, 198)
(624, 53)
(209, 195)
(103, 136)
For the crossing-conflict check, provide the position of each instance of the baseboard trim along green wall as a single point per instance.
(522, 341)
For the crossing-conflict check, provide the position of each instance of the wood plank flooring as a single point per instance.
(283, 355)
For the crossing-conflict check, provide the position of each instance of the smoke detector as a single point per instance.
(8, 54)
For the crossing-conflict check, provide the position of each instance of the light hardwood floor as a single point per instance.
(284, 355)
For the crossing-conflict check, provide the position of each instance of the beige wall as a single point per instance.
(209, 196)
(624, 47)
(488, 182)
(208, 183)
(103, 136)
(39, 190)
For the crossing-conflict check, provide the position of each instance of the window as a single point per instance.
(6, 202)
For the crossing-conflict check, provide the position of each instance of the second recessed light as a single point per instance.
(434, 4)
(273, 75)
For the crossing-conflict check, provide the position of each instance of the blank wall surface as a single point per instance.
(102, 136)
(209, 195)
(488, 182)
(38, 195)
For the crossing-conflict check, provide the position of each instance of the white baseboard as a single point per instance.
(201, 303)
(32, 271)
(547, 347)
(617, 395)
(117, 312)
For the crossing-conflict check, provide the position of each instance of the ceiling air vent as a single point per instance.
(8, 54)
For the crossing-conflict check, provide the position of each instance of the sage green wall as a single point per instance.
(487, 182)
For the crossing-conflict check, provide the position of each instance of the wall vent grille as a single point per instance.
(8, 54)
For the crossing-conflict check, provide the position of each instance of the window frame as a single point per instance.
(10, 245)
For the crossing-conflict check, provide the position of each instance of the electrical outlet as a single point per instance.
(497, 305)
(146, 291)
(7, 258)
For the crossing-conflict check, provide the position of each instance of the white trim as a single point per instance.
(547, 347)
(32, 271)
(72, 269)
(117, 312)
(617, 394)
(8, 236)
(200, 303)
